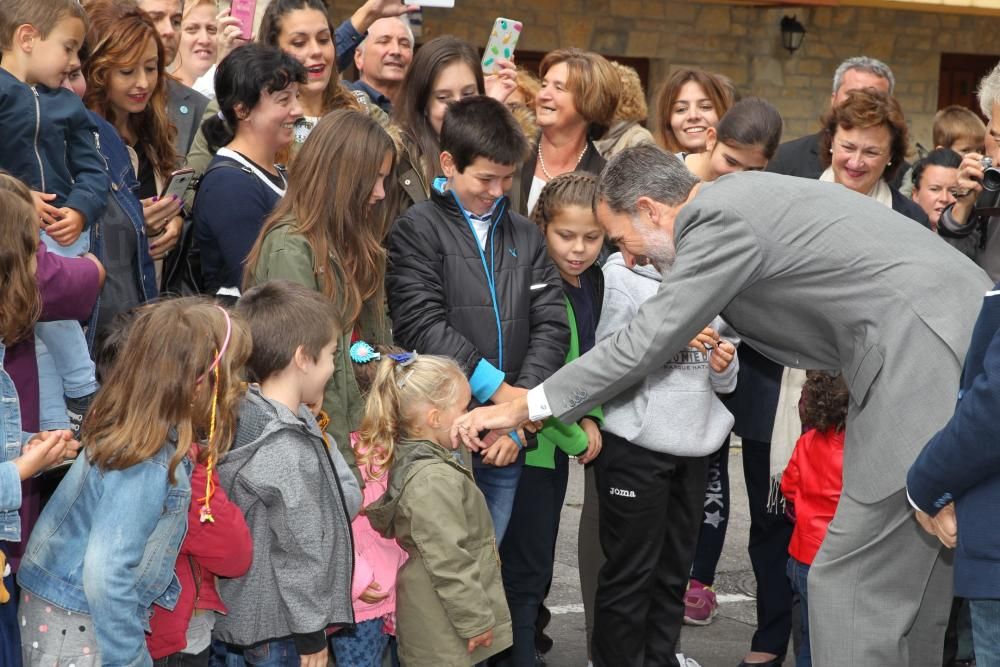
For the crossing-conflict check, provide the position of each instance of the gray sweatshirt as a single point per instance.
(298, 498)
(674, 410)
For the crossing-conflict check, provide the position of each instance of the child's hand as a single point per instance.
(372, 595)
(594, 441)
(320, 659)
(722, 356)
(485, 639)
(47, 213)
(44, 450)
(501, 453)
(708, 338)
(66, 230)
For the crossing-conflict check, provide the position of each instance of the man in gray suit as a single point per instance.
(814, 276)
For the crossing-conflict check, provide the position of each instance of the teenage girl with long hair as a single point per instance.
(327, 233)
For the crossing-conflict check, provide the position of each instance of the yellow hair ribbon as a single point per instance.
(206, 502)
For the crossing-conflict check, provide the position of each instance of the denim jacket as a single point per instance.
(106, 544)
(12, 439)
(124, 186)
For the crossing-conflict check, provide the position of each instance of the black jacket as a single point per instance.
(441, 302)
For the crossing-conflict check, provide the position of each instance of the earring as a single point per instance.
(831, 151)
(890, 163)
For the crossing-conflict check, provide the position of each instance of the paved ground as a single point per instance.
(721, 644)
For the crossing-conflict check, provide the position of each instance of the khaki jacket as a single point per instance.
(450, 589)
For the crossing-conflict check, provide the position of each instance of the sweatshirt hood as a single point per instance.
(410, 457)
(649, 271)
(259, 419)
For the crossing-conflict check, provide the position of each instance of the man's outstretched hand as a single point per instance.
(503, 417)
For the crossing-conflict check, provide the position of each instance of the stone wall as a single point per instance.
(741, 42)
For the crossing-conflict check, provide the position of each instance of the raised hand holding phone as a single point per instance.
(244, 10)
(501, 45)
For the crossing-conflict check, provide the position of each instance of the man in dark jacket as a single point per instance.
(955, 482)
(471, 280)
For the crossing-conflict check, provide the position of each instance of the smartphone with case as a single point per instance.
(178, 183)
(244, 11)
(503, 41)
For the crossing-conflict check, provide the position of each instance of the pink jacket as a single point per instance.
(376, 559)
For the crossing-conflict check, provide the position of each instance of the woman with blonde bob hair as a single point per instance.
(327, 234)
(575, 106)
(691, 101)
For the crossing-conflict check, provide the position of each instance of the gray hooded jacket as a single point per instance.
(298, 498)
(674, 410)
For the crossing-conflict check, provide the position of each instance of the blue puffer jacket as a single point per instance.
(962, 462)
(123, 194)
(50, 144)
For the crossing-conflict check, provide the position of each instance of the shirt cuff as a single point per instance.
(912, 504)
(538, 404)
(485, 380)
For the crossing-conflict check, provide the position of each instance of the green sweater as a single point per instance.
(570, 438)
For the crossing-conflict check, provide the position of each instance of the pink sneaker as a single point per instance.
(700, 606)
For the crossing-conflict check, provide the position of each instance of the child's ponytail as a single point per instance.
(403, 384)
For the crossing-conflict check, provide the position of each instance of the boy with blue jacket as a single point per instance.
(470, 279)
(955, 483)
(50, 144)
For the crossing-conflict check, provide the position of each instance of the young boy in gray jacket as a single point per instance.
(296, 492)
(651, 478)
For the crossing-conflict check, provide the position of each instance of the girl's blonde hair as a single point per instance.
(162, 380)
(395, 400)
(20, 302)
(577, 188)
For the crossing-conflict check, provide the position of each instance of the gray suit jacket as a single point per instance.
(813, 276)
(185, 106)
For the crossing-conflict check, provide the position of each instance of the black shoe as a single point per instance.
(539, 660)
(543, 643)
(77, 409)
(776, 662)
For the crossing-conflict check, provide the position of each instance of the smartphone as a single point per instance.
(444, 4)
(502, 42)
(178, 183)
(244, 10)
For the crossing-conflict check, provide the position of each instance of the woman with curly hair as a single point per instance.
(627, 129)
(812, 482)
(864, 143)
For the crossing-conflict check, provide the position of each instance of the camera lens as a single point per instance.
(991, 179)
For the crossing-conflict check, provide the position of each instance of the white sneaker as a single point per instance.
(687, 662)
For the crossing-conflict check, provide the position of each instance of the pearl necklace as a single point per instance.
(541, 160)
